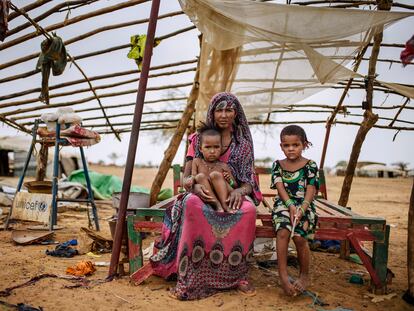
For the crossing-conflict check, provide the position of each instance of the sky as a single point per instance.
(379, 145)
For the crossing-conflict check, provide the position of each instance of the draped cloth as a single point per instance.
(273, 55)
(53, 57)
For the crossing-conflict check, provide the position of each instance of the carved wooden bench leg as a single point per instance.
(134, 246)
(366, 260)
(380, 258)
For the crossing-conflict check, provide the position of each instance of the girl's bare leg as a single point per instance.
(302, 248)
(282, 243)
(220, 187)
(204, 180)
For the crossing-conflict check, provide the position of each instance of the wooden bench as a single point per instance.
(334, 223)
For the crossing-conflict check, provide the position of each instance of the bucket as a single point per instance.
(136, 200)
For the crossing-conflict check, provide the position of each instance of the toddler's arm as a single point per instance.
(189, 181)
(228, 176)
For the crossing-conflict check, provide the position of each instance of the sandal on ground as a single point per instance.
(246, 289)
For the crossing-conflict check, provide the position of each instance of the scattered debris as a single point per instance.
(356, 279)
(26, 237)
(82, 268)
(379, 298)
(20, 306)
(99, 244)
(63, 250)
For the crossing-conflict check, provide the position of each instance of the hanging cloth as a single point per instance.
(53, 55)
(4, 13)
(407, 55)
(138, 48)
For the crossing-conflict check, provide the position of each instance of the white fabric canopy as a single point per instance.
(273, 55)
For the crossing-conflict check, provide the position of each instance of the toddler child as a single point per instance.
(208, 171)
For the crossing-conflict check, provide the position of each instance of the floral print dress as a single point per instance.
(295, 185)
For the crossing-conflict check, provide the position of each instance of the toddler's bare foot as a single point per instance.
(219, 207)
(288, 288)
(302, 283)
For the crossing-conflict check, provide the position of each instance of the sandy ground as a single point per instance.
(387, 198)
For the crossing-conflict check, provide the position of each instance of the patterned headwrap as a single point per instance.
(241, 159)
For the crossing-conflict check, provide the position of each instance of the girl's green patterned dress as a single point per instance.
(295, 184)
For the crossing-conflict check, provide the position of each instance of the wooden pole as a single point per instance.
(176, 139)
(410, 245)
(133, 142)
(42, 162)
(369, 117)
(369, 120)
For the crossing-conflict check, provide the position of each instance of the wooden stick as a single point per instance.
(337, 109)
(369, 118)
(410, 244)
(107, 107)
(71, 21)
(100, 52)
(76, 65)
(84, 36)
(104, 86)
(46, 14)
(97, 98)
(399, 111)
(84, 100)
(125, 130)
(99, 77)
(28, 8)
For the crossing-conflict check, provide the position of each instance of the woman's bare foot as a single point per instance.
(288, 288)
(302, 283)
(246, 289)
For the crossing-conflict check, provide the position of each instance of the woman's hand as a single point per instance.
(203, 193)
(235, 199)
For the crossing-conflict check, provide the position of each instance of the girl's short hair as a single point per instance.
(298, 131)
(207, 130)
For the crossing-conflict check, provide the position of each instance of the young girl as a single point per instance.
(208, 171)
(296, 181)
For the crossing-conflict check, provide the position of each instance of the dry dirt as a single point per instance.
(387, 198)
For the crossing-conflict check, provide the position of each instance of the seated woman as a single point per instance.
(206, 250)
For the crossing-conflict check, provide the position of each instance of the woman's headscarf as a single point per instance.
(241, 159)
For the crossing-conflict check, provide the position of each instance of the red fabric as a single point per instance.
(209, 251)
(407, 55)
(76, 135)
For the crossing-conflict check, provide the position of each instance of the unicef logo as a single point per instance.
(42, 207)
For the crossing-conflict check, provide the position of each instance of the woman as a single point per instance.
(207, 250)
